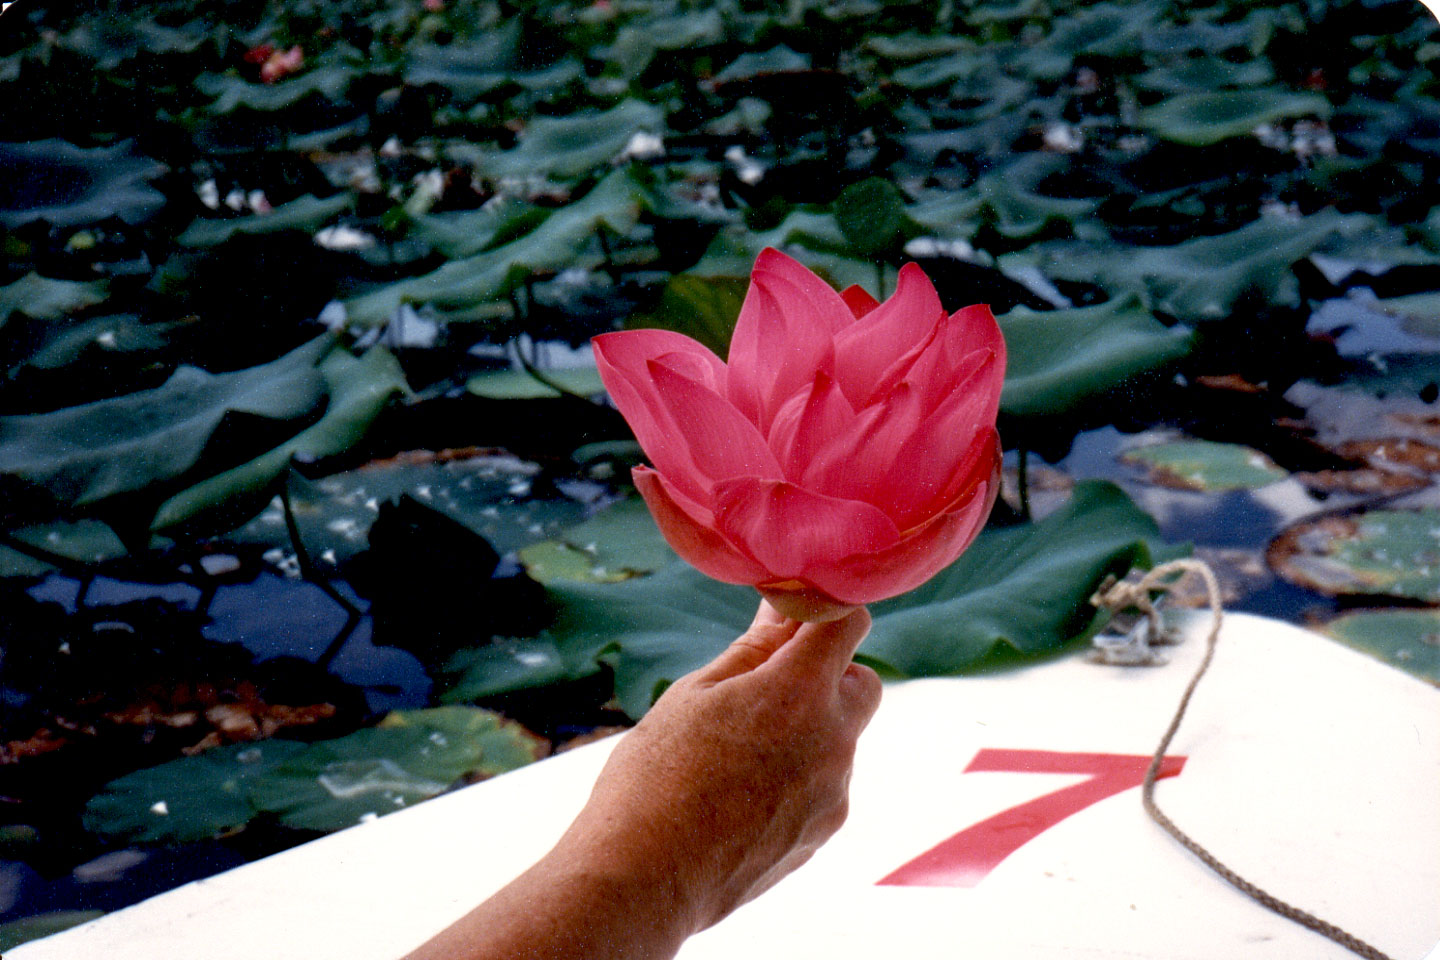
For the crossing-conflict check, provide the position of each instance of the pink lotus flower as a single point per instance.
(281, 64)
(845, 454)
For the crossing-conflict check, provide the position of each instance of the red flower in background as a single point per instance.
(845, 454)
(281, 64)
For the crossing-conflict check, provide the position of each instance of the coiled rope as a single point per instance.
(1123, 595)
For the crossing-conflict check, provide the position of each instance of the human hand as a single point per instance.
(741, 770)
(734, 778)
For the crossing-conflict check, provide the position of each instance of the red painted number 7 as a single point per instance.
(965, 859)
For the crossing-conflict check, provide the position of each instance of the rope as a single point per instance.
(1115, 597)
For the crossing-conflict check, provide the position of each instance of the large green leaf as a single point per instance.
(193, 798)
(412, 756)
(702, 308)
(1201, 279)
(357, 388)
(67, 186)
(231, 92)
(468, 70)
(1407, 639)
(42, 298)
(572, 146)
(87, 453)
(65, 342)
(1205, 118)
(1021, 589)
(563, 239)
(1061, 359)
(306, 213)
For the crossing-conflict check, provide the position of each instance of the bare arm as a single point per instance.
(735, 777)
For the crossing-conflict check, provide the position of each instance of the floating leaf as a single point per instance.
(40, 925)
(1203, 278)
(1202, 119)
(468, 70)
(1206, 73)
(1062, 359)
(507, 665)
(84, 541)
(871, 215)
(574, 145)
(67, 186)
(87, 453)
(561, 240)
(307, 213)
(412, 756)
(1098, 30)
(66, 342)
(488, 494)
(1383, 552)
(231, 92)
(193, 798)
(779, 59)
(522, 385)
(1021, 589)
(1205, 465)
(1407, 639)
(1010, 202)
(703, 308)
(42, 298)
(619, 543)
(357, 388)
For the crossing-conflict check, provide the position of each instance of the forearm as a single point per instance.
(580, 902)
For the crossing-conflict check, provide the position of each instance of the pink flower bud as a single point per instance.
(847, 451)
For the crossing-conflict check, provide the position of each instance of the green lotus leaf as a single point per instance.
(917, 46)
(1407, 639)
(307, 213)
(702, 308)
(563, 239)
(1017, 210)
(1206, 73)
(357, 389)
(522, 385)
(636, 44)
(193, 798)
(489, 495)
(1059, 360)
(506, 665)
(1100, 30)
(67, 186)
(84, 541)
(42, 298)
(779, 59)
(617, 544)
(88, 453)
(40, 925)
(1018, 589)
(1375, 552)
(810, 236)
(468, 70)
(871, 215)
(1210, 117)
(66, 342)
(941, 71)
(1201, 279)
(574, 145)
(412, 756)
(1205, 465)
(232, 92)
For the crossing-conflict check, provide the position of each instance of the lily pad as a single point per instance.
(565, 238)
(1407, 639)
(64, 343)
(232, 92)
(1378, 552)
(413, 755)
(619, 543)
(574, 145)
(357, 390)
(523, 385)
(1202, 119)
(1205, 465)
(88, 453)
(84, 541)
(307, 213)
(1061, 359)
(778, 59)
(1200, 279)
(40, 925)
(193, 798)
(1022, 589)
(42, 298)
(67, 186)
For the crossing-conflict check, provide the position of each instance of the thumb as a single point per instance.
(768, 632)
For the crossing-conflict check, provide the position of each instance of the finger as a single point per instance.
(824, 649)
(860, 690)
(768, 632)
